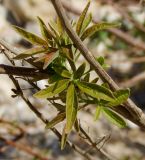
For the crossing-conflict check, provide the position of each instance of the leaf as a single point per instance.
(52, 90)
(67, 52)
(59, 118)
(71, 108)
(95, 80)
(114, 117)
(120, 97)
(53, 28)
(50, 57)
(96, 27)
(54, 78)
(59, 26)
(62, 71)
(76, 126)
(63, 139)
(30, 52)
(101, 60)
(97, 113)
(32, 38)
(79, 72)
(81, 19)
(46, 33)
(95, 90)
(59, 107)
(87, 77)
(87, 22)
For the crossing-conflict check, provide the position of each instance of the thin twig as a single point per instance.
(136, 114)
(37, 113)
(21, 71)
(94, 145)
(24, 148)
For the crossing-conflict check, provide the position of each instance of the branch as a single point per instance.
(23, 148)
(37, 113)
(21, 71)
(136, 114)
(9, 47)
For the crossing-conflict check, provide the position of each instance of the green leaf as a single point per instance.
(62, 71)
(59, 107)
(46, 33)
(120, 97)
(96, 27)
(63, 139)
(59, 26)
(101, 60)
(87, 77)
(81, 19)
(79, 72)
(67, 52)
(97, 113)
(95, 91)
(53, 28)
(87, 21)
(71, 108)
(95, 80)
(114, 117)
(32, 38)
(30, 52)
(52, 90)
(54, 78)
(59, 118)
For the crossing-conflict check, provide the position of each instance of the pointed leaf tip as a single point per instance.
(32, 38)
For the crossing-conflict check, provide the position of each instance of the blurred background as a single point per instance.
(124, 52)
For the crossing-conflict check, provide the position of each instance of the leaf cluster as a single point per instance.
(69, 84)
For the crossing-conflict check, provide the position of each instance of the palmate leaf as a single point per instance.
(52, 90)
(120, 97)
(59, 118)
(71, 108)
(96, 27)
(81, 19)
(114, 117)
(79, 72)
(46, 33)
(32, 38)
(95, 90)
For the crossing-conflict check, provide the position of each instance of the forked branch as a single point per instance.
(135, 114)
